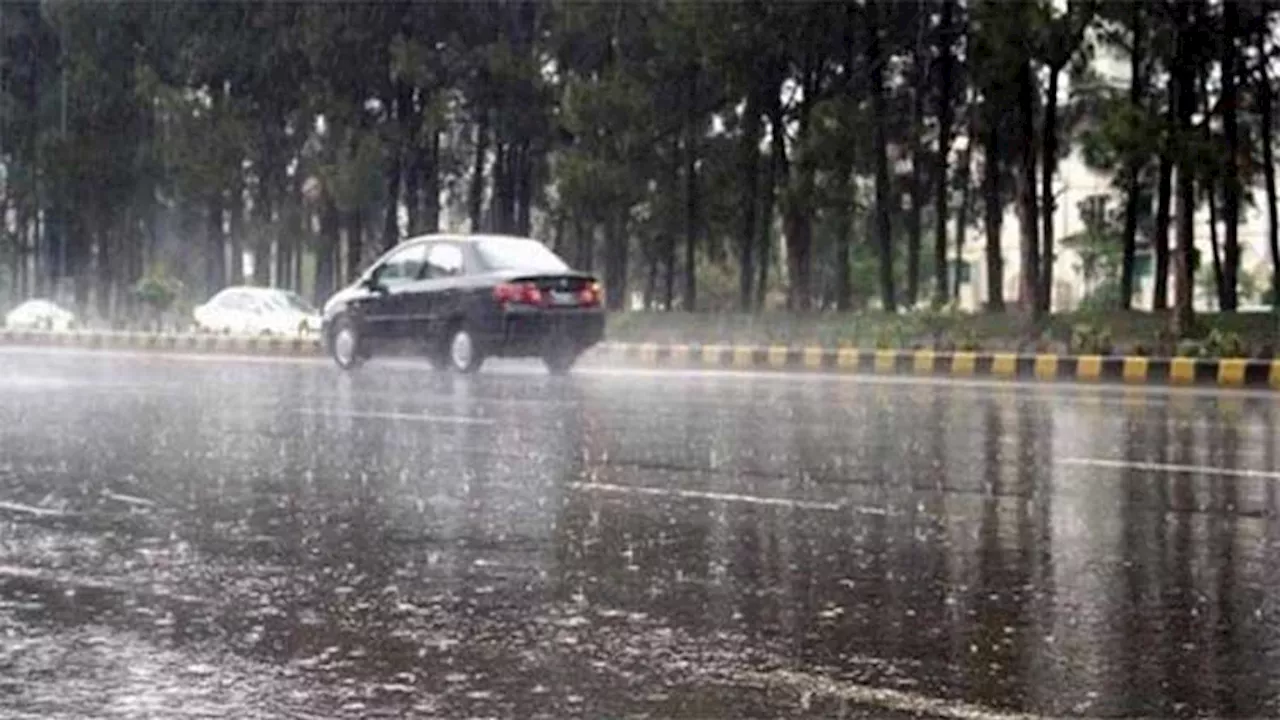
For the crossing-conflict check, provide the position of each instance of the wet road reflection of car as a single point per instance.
(464, 299)
(620, 544)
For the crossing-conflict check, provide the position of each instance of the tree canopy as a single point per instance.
(695, 155)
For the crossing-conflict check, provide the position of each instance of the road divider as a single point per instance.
(184, 342)
(1133, 370)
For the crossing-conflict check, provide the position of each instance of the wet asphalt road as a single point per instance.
(260, 539)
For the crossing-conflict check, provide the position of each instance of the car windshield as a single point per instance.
(287, 301)
(294, 301)
(517, 254)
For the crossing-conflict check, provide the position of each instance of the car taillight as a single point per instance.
(525, 293)
(589, 295)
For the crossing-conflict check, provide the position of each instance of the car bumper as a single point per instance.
(525, 333)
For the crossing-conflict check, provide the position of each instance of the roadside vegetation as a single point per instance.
(786, 170)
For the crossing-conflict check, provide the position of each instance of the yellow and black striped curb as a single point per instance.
(1010, 366)
(204, 343)
(1226, 372)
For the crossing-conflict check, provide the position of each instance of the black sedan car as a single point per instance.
(466, 298)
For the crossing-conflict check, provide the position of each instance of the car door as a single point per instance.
(439, 300)
(385, 308)
(233, 311)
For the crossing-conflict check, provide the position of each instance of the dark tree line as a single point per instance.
(701, 156)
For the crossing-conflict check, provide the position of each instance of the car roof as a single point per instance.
(251, 289)
(464, 237)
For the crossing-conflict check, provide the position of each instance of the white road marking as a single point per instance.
(414, 417)
(30, 510)
(897, 701)
(81, 582)
(703, 495)
(1170, 468)
(128, 499)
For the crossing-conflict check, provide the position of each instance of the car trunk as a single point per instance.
(562, 290)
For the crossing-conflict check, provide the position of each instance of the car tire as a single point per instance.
(464, 354)
(559, 362)
(345, 344)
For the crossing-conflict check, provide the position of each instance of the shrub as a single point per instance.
(1090, 340)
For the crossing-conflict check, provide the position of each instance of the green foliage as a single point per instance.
(1224, 344)
(157, 291)
(648, 123)
(1089, 339)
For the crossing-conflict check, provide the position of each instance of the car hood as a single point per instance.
(338, 300)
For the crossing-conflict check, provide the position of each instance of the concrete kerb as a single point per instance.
(1133, 370)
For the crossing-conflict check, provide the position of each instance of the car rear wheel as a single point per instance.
(345, 344)
(465, 356)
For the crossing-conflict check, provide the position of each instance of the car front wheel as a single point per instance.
(345, 344)
(465, 356)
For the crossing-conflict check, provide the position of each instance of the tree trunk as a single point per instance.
(431, 186)
(235, 208)
(1025, 188)
(1215, 251)
(475, 199)
(915, 149)
(1133, 168)
(413, 172)
(524, 192)
(106, 255)
(409, 118)
(616, 250)
(291, 230)
(941, 189)
(355, 244)
(499, 196)
(692, 214)
(391, 211)
(844, 234)
(750, 167)
(883, 229)
(327, 248)
(216, 270)
(1164, 193)
(1184, 262)
(671, 227)
(1231, 173)
(779, 168)
(966, 195)
(993, 202)
(1049, 149)
(263, 232)
(1265, 100)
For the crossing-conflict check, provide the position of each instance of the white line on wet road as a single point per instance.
(727, 497)
(1170, 468)
(885, 699)
(412, 417)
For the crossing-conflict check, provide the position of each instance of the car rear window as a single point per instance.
(518, 254)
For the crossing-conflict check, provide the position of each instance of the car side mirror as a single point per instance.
(372, 284)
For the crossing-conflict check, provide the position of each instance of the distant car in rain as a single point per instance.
(39, 314)
(465, 298)
(244, 310)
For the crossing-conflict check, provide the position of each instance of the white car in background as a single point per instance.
(244, 310)
(40, 315)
